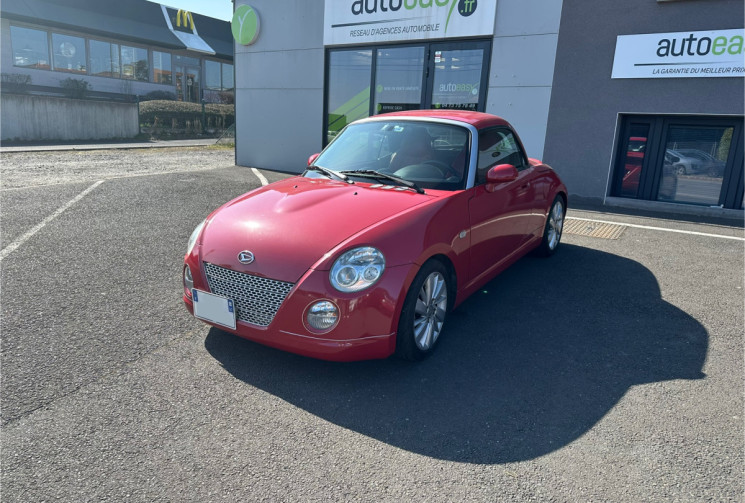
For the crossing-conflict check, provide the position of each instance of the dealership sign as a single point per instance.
(370, 21)
(685, 54)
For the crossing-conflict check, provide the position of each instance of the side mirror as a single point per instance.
(312, 159)
(501, 174)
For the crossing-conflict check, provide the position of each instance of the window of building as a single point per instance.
(689, 160)
(134, 63)
(348, 89)
(227, 77)
(104, 59)
(186, 60)
(398, 78)
(30, 48)
(162, 68)
(212, 75)
(69, 53)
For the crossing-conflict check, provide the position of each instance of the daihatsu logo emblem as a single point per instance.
(245, 257)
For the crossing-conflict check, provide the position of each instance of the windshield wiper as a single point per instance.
(371, 173)
(329, 172)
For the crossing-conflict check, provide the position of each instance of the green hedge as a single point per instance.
(179, 114)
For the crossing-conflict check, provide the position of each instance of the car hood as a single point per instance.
(290, 225)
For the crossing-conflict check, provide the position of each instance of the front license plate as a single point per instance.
(213, 308)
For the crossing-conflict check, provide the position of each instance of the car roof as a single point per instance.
(477, 119)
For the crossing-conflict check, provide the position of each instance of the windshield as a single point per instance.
(431, 155)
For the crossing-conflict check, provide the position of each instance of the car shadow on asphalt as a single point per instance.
(524, 367)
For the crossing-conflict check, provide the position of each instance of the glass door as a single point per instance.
(187, 83)
(191, 84)
(178, 75)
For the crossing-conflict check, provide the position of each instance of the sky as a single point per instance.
(220, 9)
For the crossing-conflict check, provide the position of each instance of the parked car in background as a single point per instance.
(682, 164)
(395, 223)
(704, 162)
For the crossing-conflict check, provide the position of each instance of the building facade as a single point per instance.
(127, 47)
(647, 104)
(574, 78)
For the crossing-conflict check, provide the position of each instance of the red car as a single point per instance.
(397, 221)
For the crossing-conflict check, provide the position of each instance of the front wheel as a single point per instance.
(554, 227)
(423, 314)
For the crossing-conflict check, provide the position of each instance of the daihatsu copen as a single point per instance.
(363, 255)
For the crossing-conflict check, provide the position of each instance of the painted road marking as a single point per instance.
(651, 228)
(18, 242)
(261, 177)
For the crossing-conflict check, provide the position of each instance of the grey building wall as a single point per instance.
(25, 117)
(586, 103)
(522, 67)
(279, 86)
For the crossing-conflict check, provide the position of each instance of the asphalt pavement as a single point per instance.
(611, 371)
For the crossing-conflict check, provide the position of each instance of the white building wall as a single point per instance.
(279, 86)
(280, 78)
(522, 67)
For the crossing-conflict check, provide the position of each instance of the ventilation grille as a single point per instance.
(256, 299)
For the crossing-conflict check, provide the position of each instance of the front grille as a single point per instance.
(256, 299)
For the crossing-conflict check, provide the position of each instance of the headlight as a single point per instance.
(188, 281)
(357, 269)
(194, 236)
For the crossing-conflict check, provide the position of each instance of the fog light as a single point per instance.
(188, 281)
(322, 316)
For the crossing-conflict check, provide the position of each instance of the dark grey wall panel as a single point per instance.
(585, 101)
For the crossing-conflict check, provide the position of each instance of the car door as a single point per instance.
(502, 216)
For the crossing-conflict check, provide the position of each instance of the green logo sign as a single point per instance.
(245, 25)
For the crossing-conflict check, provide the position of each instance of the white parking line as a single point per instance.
(18, 242)
(261, 177)
(648, 227)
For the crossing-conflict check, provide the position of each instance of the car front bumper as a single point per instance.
(367, 320)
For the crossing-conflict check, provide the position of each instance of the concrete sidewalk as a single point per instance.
(107, 146)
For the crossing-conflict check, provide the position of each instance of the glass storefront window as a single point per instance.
(634, 159)
(348, 88)
(104, 58)
(186, 60)
(695, 159)
(134, 63)
(227, 77)
(212, 75)
(162, 68)
(398, 79)
(30, 48)
(457, 79)
(69, 53)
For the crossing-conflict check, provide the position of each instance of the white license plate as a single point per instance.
(213, 308)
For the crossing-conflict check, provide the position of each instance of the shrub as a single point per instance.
(15, 82)
(227, 97)
(75, 88)
(176, 114)
(158, 95)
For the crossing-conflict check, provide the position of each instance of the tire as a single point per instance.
(680, 169)
(424, 311)
(553, 228)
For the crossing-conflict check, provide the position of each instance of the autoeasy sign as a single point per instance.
(366, 21)
(685, 54)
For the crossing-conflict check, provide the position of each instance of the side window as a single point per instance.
(497, 146)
